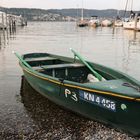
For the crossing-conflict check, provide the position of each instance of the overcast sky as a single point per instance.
(60, 4)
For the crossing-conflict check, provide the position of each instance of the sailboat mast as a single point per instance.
(118, 13)
(131, 5)
(125, 7)
(82, 12)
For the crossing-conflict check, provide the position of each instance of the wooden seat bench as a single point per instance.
(56, 66)
(39, 59)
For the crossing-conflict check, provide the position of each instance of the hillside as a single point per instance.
(60, 14)
(87, 12)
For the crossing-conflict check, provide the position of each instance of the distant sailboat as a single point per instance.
(133, 23)
(118, 21)
(82, 22)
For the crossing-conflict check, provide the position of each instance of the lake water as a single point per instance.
(24, 114)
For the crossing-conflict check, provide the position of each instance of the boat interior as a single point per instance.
(65, 70)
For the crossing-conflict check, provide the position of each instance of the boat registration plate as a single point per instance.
(98, 100)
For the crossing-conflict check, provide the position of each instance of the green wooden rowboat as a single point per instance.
(112, 97)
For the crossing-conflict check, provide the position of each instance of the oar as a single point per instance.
(22, 60)
(97, 75)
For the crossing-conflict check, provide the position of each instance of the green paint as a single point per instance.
(98, 76)
(127, 112)
(22, 60)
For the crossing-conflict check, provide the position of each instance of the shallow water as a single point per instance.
(25, 114)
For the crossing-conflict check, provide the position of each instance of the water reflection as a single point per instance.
(51, 119)
(133, 37)
(131, 52)
(4, 38)
(5, 35)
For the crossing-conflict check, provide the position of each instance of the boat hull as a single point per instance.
(106, 23)
(118, 23)
(82, 23)
(94, 23)
(131, 25)
(118, 112)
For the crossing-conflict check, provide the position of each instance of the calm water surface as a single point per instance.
(26, 115)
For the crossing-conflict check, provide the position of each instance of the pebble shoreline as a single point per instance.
(44, 120)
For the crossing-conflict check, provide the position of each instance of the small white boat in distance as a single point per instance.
(94, 21)
(118, 22)
(82, 23)
(106, 23)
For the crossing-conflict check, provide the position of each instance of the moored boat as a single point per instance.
(82, 23)
(118, 22)
(94, 21)
(132, 24)
(106, 23)
(87, 88)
